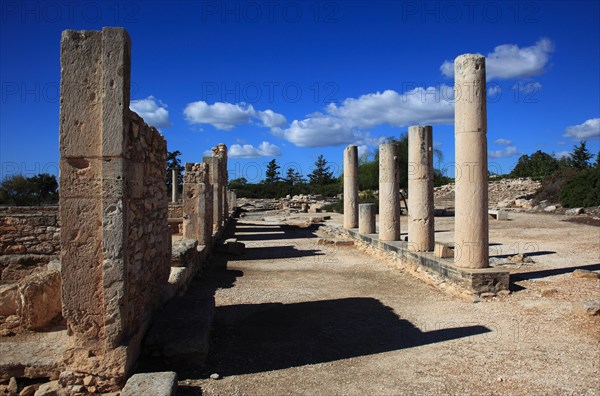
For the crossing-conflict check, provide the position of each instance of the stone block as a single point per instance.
(8, 299)
(585, 274)
(156, 384)
(500, 215)
(587, 308)
(442, 250)
(39, 300)
(574, 211)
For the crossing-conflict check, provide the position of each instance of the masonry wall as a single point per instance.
(115, 237)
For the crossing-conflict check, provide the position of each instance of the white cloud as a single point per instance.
(494, 90)
(503, 142)
(271, 119)
(562, 154)
(590, 129)
(265, 149)
(508, 61)
(225, 116)
(153, 112)
(363, 151)
(509, 151)
(350, 121)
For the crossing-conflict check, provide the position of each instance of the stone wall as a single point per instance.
(29, 239)
(115, 238)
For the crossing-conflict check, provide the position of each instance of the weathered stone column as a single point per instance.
(214, 171)
(232, 199)
(366, 218)
(174, 186)
(222, 154)
(471, 192)
(389, 194)
(351, 187)
(197, 204)
(115, 237)
(420, 189)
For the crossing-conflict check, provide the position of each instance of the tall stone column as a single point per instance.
(366, 218)
(214, 171)
(471, 191)
(389, 194)
(420, 189)
(115, 238)
(222, 154)
(351, 187)
(174, 186)
(197, 204)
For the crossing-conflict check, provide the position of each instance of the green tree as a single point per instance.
(17, 189)
(321, 175)
(597, 165)
(538, 165)
(581, 156)
(293, 177)
(173, 162)
(272, 173)
(44, 188)
(238, 184)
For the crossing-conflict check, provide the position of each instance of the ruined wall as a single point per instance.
(30, 230)
(29, 239)
(115, 237)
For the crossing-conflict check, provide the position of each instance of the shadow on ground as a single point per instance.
(250, 338)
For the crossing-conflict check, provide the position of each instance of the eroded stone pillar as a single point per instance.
(366, 218)
(197, 203)
(214, 171)
(174, 186)
(115, 237)
(471, 191)
(420, 189)
(389, 194)
(222, 154)
(351, 187)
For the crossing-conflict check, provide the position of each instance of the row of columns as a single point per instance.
(206, 200)
(471, 180)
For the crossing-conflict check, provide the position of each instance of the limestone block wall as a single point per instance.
(115, 238)
(29, 230)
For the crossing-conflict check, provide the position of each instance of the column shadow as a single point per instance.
(251, 338)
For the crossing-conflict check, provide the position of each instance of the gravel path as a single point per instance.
(295, 317)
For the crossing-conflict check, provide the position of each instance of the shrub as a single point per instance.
(582, 190)
(553, 184)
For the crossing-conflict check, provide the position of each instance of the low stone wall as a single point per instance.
(29, 239)
(440, 272)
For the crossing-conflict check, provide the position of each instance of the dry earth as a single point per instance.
(294, 317)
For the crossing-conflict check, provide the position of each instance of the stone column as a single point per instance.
(420, 189)
(222, 154)
(215, 180)
(174, 186)
(389, 194)
(115, 238)
(366, 218)
(197, 204)
(233, 199)
(351, 187)
(471, 191)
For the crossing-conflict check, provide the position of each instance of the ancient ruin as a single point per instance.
(389, 194)
(420, 185)
(351, 187)
(470, 123)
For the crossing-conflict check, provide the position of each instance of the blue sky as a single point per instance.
(294, 79)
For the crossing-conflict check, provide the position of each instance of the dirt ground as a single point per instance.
(294, 317)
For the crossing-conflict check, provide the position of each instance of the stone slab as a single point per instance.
(156, 384)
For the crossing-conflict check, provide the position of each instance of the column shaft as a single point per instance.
(420, 189)
(389, 194)
(351, 187)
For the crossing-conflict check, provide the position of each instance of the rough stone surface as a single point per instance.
(197, 203)
(420, 187)
(442, 250)
(30, 232)
(587, 308)
(585, 274)
(39, 300)
(156, 384)
(471, 195)
(8, 299)
(52, 388)
(574, 211)
(351, 187)
(115, 238)
(389, 194)
(366, 218)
